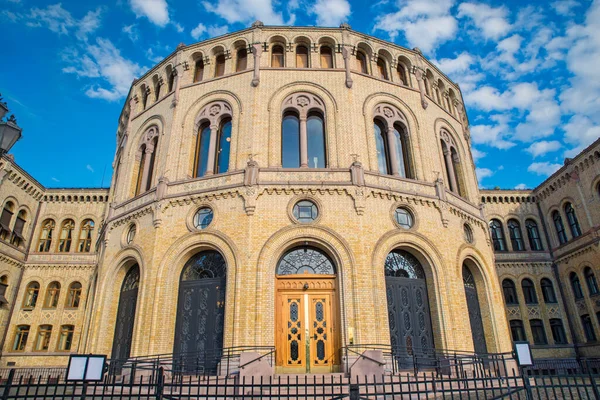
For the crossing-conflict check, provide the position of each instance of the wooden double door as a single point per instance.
(306, 325)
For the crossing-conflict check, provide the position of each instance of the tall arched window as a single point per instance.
(497, 234)
(576, 286)
(529, 291)
(303, 136)
(220, 65)
(31, 295)
(533, 234)
(65, 340)
(21, 335)
(242, 60)
(85, 236)
(157, 83)
(558, 331)
(144, 91)
(199, 70)
(538, 332)
(548, 291)
(402, 75)
(452, 163)
(74, 295)
(573, 221)
(516, 237)
(590, 280)
(326, 57)
(52, 295)
(301, 56)
(381, 147)
(17, 235)
(66, 236)
(6, 218)
(393, 149)
(516, 330)
(213, 142)
(171, 73)
(382, 69)
(510, 292)
(46, 235)
(277, 58)
(361, 62)
(147, 159)
(560, 228)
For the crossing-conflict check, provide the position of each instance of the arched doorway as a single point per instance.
(126, 314)
(474, 311)
(409, 317)
(307, 326)
(200, 313)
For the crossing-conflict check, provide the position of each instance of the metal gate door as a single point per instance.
(126, 315)
(199, 328)
(474, 312)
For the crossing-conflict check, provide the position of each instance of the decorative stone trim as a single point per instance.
(533, 311)
(189, 219)
(298, 198)
(514, 311)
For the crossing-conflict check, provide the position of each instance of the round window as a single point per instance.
(404, 218)
(468, 233)
(305, 211)
(203, 218)
(131, 234)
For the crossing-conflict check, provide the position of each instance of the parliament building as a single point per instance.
(302, 189)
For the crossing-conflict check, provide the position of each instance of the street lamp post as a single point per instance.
(10, 132)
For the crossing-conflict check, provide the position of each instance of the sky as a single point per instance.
(529, 71)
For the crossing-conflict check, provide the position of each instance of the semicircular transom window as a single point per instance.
(203, 218)
(404, 218)
(305, 260)
(402, 264)
(305, 211)
(204, 265)
(132, 279)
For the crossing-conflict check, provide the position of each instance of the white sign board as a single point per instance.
(95, 368)
(85, 367)
(523, 352)
(76, 369)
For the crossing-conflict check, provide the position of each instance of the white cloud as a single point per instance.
(245, 11)
(89, 23)
(217, 30)
(461, 64)
(564, 7)
(425, 23)
(89, 168)
(580, 132)
(492, 22)
(483, 173)
(521, 186)
(132, 32)
(330, 12)
(54, 179)
(543, 147)
(178, 27)
(477, 154)
(157, 11)
(543, 168)
(494, 135)
(152, 57)
(54, 17)
(198, 31)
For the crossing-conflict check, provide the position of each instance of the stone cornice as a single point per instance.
(60, 266)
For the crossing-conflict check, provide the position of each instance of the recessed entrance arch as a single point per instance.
(408, 309)
(200, 313)
(126, 314)
(475, 319)
(307, 325)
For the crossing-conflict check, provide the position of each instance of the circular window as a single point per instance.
(468, 233)
(404, 218)
(131, 234)
(203, 218)
(305, 211)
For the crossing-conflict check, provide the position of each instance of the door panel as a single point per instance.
(124, 325)
(475, 320)
(321, 335)
(293, 307)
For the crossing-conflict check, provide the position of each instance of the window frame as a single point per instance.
(498, 241)
(588, 328)
(529, 292)
(241, 62)
(280, 56)
(508, 285)
(573, 221)
(533, 234)
(558, 330)
(538, 331)
(45, 240)
(20, 339)
(559, 226)
(576, 286)
(516, 235)
(547, 290)
(31, 295)
(74, 295)
(517, 326)
(43, 337)
(52, 295)
(84, 244)
(590, 280)
(68, 338)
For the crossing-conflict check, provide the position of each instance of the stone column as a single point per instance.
(346, 55)
(303, 142)
(450, 167)
(147, 156)
(391, 138)
(212, 148)
(419, 75)
(257, 51)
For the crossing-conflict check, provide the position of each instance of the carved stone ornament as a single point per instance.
(303, 103)
(389, 114)
(213, 113)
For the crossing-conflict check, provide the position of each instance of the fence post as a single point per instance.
(527, 386)
(11, 375)
(354, 392)
(84, 390)
(160, 383)
(592, 381)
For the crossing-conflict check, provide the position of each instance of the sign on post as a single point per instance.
(88, 368)
(523, 354)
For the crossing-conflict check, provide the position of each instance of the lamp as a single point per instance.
(9, 134)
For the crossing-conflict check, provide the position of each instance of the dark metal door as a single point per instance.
(124, 325)
(409, 320)
(199, 329)
(475, 319)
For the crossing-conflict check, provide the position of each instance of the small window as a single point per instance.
(301, 56)
(497, 235)
(326, 57)
(548, 291)
(517, 331)
(66, 236)
(21, 338)
(529, 291)
(382, 68)
(85, 236)
(538, 332)
(468, 232)
(17, 235)
(576, 286)
(199, 70)
(404, 218)
(590, 280)
(131, 234)
(510, 292)
(220, 65)
(305, 211)
(46, 236)
(65, 341)
(516, 238)
(361, 62)
(558, 331)
(560, 228)
(535, 242)
(43, 338)
(31, 295)
(74, 295)
(588, 328)
(402, 74)
(52, 295)
(5, 219)
(242, 60)
(203, 218)
(573, 221)
(277, 60)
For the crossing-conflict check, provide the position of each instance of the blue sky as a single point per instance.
(529, 71)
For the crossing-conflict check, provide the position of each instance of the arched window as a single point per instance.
(31, 295)
(382, 69)
(590, 280)
(52, 295)
(157, 83)
(277, 59)
(535, 242)
(538, 332)
(43, 338)
(381, 147)
(242, 60)
(315, 131)
(66, 236)
(65, 341)
(516, 237)
(573, 222)
(326, 57)
(402, 75)
(452, 163)
(510, 292)
(213, 142)
(558, 331)
(170, 77)
(145, 91)
(576, 286)
(301, 56)
(290, 140)
(202, 146)
(46, 235)
(548, 291)
(402, 264)
(361, 62)
(305, 260)
(147, 160)
(224, 150)
(6, 218)
(560, 228)
(516, 330)
(140, 177)
(85, 236)
(392, 142)
(17, 235)
(497, 234)
(74, 295)
(529, 291)
(199, 70)
(21, 335)
(220, 65)
(588, 328)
